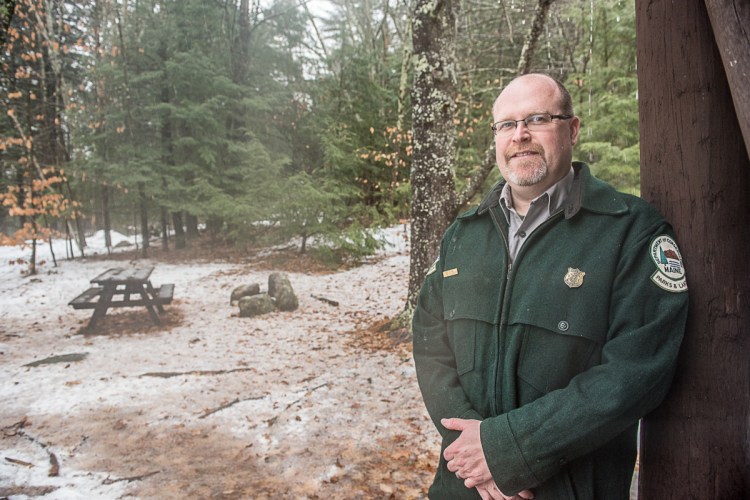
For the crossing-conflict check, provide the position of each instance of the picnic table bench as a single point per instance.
(124, 287)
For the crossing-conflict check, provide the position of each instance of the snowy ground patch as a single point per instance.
(285, 405)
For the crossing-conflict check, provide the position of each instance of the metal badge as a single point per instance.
(574, 278)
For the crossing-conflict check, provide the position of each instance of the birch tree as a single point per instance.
(435, 198)
(433, 203)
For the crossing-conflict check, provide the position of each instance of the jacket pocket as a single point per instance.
(551, 355)
(474, 344)
(463, 338)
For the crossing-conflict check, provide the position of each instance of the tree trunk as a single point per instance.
(403, 84)
(100, 96)
(214, 226)
(143, 204)
(130, 128)
(241, 57)
(106, 217)
(168, 160)
(32, 259)
(179, 231)
(49, 241)
(695, 169)
(69, 254)
(164, 219)
(433, 204)
(537, 27)
(76, 214)
(191, 225)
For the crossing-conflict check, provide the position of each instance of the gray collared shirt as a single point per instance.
(540, 209)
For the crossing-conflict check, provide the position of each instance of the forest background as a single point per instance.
(255, 123)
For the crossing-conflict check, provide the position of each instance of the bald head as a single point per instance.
(554, 88)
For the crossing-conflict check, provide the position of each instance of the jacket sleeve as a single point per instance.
(528, 445)
(434, 359)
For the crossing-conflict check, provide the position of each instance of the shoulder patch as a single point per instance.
(670, 273)
(433, 267)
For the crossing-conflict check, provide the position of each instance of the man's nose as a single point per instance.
(521, 133)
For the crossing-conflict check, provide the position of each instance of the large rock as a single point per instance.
(243, 291)
(280, 288)
(255, 305)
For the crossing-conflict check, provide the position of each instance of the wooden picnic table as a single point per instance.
(124, 287)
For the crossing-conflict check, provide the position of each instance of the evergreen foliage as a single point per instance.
(606, 93)
(277, 122)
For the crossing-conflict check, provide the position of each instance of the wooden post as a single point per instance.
(729, 21)
(695, 170)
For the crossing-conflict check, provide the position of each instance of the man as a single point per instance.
(551, 321)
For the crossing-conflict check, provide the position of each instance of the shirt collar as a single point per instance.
(555, 196)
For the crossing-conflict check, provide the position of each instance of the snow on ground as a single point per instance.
(312, 403)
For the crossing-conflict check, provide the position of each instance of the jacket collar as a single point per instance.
(587, 192)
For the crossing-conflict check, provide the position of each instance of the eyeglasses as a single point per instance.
(533, 122)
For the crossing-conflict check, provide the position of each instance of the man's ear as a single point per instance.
(575, 127)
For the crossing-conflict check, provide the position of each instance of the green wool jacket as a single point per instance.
(560, 354)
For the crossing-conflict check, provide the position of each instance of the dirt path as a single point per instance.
(287, 405)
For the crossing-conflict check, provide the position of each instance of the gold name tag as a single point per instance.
(450, 272)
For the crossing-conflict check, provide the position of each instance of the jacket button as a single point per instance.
(562, 461)
(452, 313)
(563, 326)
